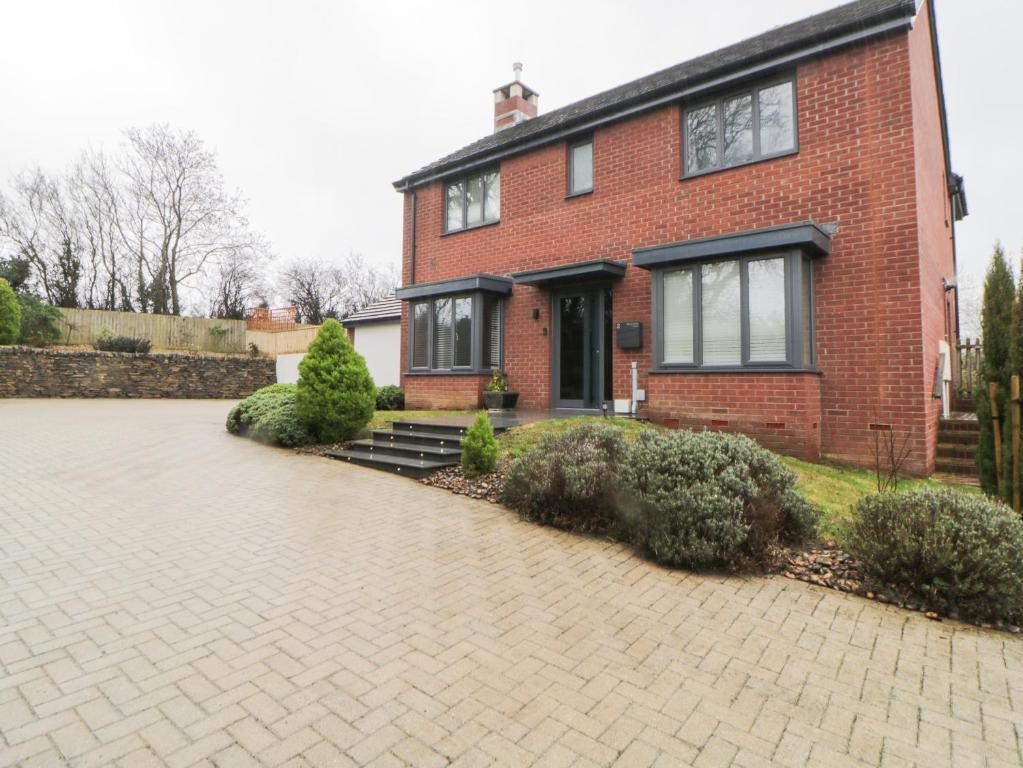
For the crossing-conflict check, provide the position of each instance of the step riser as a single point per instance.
(413, 472)
(440, 429)
(381, 449)
(959, 426)
(966, 438)
(957, 452)
(384, 437)
(955, 468)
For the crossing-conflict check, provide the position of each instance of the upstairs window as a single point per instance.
(740, 128)
(472, 201)
(580, 167)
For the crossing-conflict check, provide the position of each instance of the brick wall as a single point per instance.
(862, 136)
(461, 392)
(31, 372)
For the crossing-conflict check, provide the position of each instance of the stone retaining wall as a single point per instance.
(32, 372)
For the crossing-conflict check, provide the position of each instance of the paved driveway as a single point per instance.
(172, 595)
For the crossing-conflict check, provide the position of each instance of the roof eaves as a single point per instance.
(897, 17)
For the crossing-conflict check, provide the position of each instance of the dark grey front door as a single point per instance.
(582, 348)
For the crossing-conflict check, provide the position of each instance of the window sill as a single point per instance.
(470, 229)
(736, 369)
(580, 193)
(455, 372)
(711, 171)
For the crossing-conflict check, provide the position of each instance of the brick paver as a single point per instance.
(170, 595)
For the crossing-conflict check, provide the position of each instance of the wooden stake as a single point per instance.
(1014, 396)
(996, 427)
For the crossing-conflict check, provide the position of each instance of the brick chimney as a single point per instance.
(514, 102)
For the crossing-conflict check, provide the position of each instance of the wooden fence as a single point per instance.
(1015, 417)
(201, 334)
(282, 342)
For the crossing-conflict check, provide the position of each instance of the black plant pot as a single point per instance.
(502, 401)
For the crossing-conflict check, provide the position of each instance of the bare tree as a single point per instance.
(135, 232)
(40, 224)
(313, 288)
(320, 290)
(239, 283)
(183, 217)
(361, 284)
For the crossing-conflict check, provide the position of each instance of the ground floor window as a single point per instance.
(451, 333)
(752, 311)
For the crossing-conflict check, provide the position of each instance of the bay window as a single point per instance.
(456, 333)
(750, 311)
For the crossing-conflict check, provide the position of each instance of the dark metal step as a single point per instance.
(431, 427)
(398, 465)
(385, 436)
(430, 451)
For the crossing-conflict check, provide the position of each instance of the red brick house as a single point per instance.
(764, 234)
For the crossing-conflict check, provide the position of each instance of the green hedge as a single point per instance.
(269, 416)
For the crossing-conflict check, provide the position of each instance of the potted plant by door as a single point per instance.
(497, 396)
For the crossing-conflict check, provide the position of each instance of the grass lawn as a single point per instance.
(518, 440)
(837, 489)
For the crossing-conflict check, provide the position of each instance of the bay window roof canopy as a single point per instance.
(587, 270)
(481, 282)
(809, 237)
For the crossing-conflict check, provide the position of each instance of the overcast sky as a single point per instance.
(314, 108)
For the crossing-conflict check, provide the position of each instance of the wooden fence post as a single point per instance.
(1014, 396)
(996, 427)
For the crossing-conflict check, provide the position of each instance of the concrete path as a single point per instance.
(171, 595)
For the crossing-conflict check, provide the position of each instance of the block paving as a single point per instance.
(171, 595)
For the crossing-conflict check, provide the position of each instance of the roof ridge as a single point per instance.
(858, 15)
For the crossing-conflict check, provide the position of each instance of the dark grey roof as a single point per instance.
(845, 20)
(383, 311)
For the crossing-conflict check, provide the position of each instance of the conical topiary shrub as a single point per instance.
(336, 394)
(10, 314)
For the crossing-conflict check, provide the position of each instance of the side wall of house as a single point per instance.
(855, 169)
(934, 217)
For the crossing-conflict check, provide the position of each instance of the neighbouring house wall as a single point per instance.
(82, 326)
(33, 372)
(856, 169)
(287, 368)
(380, 344)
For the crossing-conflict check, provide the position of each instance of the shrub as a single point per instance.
(335, 391)
(269, 415)
(996, 328)
(39, 321)
(10, 314)
(709, 499)
(390, 398)
(952, 551)
(108, 341)
(479, 447)
(570, 479)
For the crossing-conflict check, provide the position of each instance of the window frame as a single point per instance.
(464, 181)
(476, 364)
(718, 100)
(794, 261)
(569, 165)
